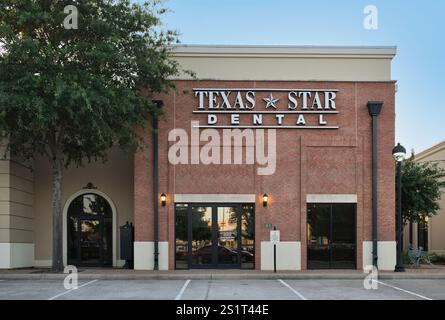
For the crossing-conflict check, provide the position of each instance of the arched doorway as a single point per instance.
(89, 226)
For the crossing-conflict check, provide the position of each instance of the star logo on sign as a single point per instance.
(271, 101)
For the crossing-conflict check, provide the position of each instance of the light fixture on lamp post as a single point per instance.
(399, 153)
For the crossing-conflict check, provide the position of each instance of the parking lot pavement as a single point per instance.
(434, 289)
(353, 290)
(251, 289)
(31, 289)
(237, 290)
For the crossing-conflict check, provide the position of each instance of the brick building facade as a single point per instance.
(314, 165)
(310, 104)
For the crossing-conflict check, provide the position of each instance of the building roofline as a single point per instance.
(431, 150)
(387, 52)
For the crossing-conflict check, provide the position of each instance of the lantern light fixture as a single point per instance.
(163, 199)
(265, 200)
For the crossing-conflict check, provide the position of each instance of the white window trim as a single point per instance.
(214, 198)
(331, 198)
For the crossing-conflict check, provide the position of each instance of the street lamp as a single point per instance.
(399, 153)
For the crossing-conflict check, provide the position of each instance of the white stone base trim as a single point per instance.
(16, 255)
(288, 255)
(386, 251)
(48, 263)
(144, 257)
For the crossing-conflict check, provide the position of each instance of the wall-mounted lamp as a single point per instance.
(265, 199)
(163, 199)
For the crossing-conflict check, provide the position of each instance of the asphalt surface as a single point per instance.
(277, 289)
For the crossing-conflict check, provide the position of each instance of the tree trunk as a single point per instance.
(57, 167)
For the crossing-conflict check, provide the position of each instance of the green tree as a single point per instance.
(422, 185)
(71, 94)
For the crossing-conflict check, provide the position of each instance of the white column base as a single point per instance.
(16, 255)
(386, 250)
(144, 255)
(288, 255)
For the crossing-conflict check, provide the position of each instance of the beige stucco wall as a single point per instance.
(16, 213)
(114, 178)
(286, 63)
(436, 224)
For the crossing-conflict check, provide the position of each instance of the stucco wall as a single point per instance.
(114, 178)
(436, 224)
(16, 213)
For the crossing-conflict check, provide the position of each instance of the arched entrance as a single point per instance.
(89, 230)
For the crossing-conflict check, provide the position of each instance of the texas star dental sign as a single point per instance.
(266, 108)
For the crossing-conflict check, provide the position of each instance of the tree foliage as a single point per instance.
(70, 91)
(73, 93)
(422, 185)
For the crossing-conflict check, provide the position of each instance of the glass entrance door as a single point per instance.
(90, 241)
(214, 236)
(331, 236)
(90, 231)
(228, 253)
(201, 236)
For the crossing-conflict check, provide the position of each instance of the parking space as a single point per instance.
(433, 289)
(237, 290)
(310, 289)
(31, 289)
(347, 290)
(128, 289)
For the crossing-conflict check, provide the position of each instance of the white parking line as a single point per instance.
(292, 289)
(403, 290)
(181, 292)
(68, 291)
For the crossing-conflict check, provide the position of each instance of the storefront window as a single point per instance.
(214, 236)
(331, 235)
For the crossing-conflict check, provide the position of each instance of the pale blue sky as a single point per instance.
(416, 27)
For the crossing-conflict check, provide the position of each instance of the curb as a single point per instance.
(222, 276)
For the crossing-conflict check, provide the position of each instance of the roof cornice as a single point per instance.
(385, 52)
(431, 150)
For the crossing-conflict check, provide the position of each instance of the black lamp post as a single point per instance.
(399, 154)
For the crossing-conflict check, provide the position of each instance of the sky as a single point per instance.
(416, 27)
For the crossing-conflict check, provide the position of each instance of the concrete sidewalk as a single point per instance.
(424, 272)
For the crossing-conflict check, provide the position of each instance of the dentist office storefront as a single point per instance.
(262, 137)
(268, 137)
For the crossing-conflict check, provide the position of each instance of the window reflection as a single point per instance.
(331, 235)
(201, 235)
(209, 236)
(89, 225)
(248, 237)
(181, 234)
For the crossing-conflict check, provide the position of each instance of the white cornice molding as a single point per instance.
(384, 52)
(430, 151)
